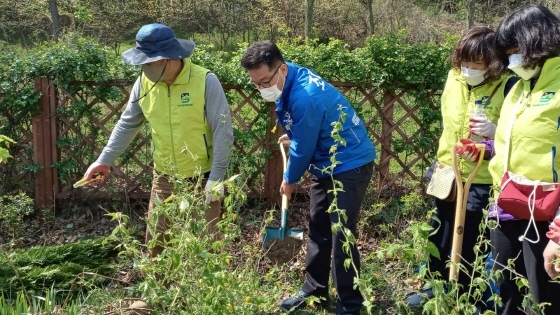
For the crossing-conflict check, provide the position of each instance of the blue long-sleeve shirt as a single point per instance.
(307, 109)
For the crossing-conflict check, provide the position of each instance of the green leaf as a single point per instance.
(4, 155)
(433, 250)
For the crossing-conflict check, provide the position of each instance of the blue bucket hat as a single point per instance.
(155, 42)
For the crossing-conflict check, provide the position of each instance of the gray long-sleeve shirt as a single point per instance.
(218, 116)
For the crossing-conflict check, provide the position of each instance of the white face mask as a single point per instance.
(516, 65)
(272, 93)
(473, 76)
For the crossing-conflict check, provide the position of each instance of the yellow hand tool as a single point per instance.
(85, 181)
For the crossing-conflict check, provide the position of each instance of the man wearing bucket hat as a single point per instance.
(186, 108)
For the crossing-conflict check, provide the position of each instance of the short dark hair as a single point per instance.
(534, 30)
(264, 52)
(477, 45)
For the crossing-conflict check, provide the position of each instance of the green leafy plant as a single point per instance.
(81, 67)
(196, 273)
(12, 210)
(4, 146)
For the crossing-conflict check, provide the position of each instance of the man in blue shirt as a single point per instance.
(307, 108)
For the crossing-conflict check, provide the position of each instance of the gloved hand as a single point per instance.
(214, 190)
(95, 168)
(468, 151)
(482, 127)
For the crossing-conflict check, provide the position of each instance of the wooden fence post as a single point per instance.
(44, 145)
(274, 171)
(387, 117)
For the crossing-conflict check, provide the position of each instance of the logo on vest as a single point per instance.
(185, 99)
(545, 98)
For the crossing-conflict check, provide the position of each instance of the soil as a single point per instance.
(282, 251)
(73, 224)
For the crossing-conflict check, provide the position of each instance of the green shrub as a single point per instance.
(386, 63)
(12, 210)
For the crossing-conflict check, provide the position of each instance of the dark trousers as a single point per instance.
(443, 238)
(322, 240)
(529, 263)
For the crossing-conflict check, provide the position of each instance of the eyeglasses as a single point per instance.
(265, 84)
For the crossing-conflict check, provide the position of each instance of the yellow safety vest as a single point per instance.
(457, 105)
(535, 135)
(181, 135)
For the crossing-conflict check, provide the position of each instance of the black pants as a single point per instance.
(529, 263)
(322, 240)
(443, 238)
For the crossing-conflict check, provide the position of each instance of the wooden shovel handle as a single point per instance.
(285, 166)
(461, 207)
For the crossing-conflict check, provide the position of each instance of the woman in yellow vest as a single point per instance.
(471, 99)
(528, 43)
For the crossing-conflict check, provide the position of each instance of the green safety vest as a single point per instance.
(535, 135)
(457, 105)
(181, 135)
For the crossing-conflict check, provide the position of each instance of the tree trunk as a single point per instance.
(371, 22)
(309, 18)
(53, 7)
(470, 14)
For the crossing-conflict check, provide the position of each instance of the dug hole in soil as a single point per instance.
(282, 251)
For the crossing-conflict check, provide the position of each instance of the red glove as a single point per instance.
(468, 151)
(554, 231)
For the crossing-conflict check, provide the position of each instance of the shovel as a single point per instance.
(461, 207)
(283, 231)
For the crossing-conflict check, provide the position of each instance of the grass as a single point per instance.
(41, 304)
(42, 268)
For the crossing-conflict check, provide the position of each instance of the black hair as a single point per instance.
(477, 45)
(534, 30)
(264, 52)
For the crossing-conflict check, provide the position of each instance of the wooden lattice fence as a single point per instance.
(75, 123)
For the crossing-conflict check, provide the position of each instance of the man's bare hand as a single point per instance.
(551, 254)
(285, 140)
(287, 189)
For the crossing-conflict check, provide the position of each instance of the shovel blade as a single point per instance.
(296, 233)
(271, 233)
